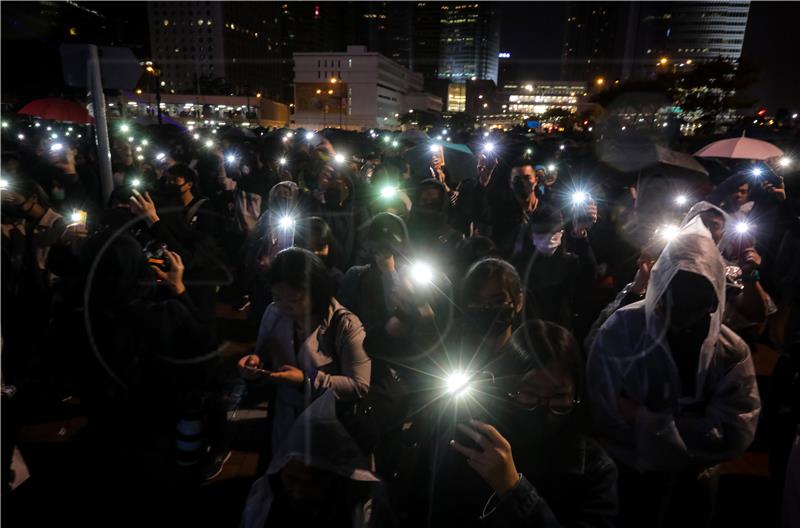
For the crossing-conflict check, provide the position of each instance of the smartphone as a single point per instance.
(257, 370)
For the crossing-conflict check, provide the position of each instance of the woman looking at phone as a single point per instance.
(307, 341)
(525, 460)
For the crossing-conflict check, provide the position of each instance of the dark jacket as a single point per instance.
(566, 482)
(553, 284)
(584, 494)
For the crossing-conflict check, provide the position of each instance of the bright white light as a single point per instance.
(20, 137)
(309, 136)
(669, 232)
(551, 167)
(136, 182)
(434, 148)
(230, 158)
(785, 162)
(209, 143)
(485, 134)
(78, 217)
(457, 383)
(161, 156)
(144, 142)
(56, 147)
(528, 151)
(742, 228)
(3, 184)
(282, 161)
(49, 129)
(579, 197)
(488, 147)
(140, 157)
(339, 158)
(130, 139)
(286, 222)
(138, 149)
(757, 172)
(561, 147)
(681, 199)
(37, 125)
(386, 139)
(196, 137)
(422, 273)
(124, 128)
(388, 192)
(794, 116)
(53, 136)
(5, 125)
(395, 144)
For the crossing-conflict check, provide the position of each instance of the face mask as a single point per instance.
(547, 244)
(522, 188)
(490, 321)
(58, 195)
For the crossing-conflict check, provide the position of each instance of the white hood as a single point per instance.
(696, 253)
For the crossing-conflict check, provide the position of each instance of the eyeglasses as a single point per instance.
(557, 405)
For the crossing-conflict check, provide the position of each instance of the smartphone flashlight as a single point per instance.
(668, 232)
(78, 217)
(339, 158)
(488, 147)
(56, 147)
(388, 192)
(282, 161)
(579, 198)
(742, 228)
(457, 384)
(681, 200)
(422, 273)
(286, 222)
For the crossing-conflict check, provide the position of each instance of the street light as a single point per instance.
(600, 81)
(333, 80)
(663, 61)
(155, 72)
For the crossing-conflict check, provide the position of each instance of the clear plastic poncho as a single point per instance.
(631, 361)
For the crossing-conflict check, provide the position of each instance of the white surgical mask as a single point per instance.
(547, 243)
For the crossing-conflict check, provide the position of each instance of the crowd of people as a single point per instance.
(528, 340)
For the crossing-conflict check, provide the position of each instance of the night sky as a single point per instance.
(533, 33)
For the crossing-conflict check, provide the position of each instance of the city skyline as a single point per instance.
(532, 36)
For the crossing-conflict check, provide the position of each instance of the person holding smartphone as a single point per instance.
(307, 342)
(524, 459)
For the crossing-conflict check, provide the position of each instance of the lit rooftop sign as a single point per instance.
(504, 55)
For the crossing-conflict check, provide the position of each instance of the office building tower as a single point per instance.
(469, 42)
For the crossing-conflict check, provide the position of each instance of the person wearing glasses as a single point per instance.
(518, 455)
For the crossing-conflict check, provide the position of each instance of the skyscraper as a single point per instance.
(703, 31)
(192, 42)
(469, 42)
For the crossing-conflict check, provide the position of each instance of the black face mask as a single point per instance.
(522, 188)
(490, 321)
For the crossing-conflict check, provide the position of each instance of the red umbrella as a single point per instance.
(57, 110)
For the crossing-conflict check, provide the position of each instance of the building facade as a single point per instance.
(195, 44)
(356, 89)
(702, 31)
(469, 42)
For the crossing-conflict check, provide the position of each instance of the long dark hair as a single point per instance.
(302, 270)
(486, 270)
(538, 344)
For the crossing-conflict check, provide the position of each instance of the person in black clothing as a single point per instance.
(169, 225)
(314, 234)
(427, 224)
(330, 196)
(498, 209)
(553, 276)
(517, 453)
